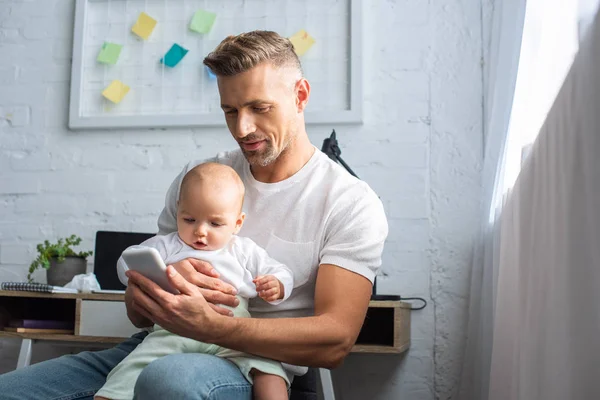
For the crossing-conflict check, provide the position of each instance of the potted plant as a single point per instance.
(62, 263)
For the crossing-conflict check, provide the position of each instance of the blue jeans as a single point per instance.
(80, 376)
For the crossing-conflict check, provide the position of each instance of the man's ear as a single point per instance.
(302, 94)
(240, 222)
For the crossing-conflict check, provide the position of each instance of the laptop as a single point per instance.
(108, 248)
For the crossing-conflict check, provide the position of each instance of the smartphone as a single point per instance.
(147, 261)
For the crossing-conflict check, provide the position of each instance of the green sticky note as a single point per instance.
(109, 53)
(202, 21)
(174, 55)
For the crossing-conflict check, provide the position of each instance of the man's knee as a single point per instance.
(192, 376)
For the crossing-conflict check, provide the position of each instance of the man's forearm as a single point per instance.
(320, 341)
(312, 341)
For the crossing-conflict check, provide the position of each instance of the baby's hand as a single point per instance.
(268, 288)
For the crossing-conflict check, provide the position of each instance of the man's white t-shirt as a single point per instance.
(238, 262)
(320, 215)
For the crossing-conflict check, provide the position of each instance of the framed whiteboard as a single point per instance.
(185, 96)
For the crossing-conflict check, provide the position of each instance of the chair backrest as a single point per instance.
(305, 387)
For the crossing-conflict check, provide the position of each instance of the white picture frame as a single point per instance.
(351, 113)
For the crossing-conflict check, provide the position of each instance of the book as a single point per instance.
(108, 291)
(31, 330)
(40, 324)
(36, 287)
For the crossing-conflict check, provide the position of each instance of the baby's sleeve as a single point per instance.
(158, 242)
(259, 263)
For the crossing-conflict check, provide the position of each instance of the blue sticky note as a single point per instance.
(211, 75)
(174, 55)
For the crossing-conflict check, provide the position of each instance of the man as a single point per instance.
(305, 210)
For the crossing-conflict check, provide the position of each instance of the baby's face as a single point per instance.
(207, 221)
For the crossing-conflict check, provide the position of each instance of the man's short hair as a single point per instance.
(237, 54)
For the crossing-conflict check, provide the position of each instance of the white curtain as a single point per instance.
(532, 46)
(586, 13)
(547, 321)
(549, 44)
(501, 76)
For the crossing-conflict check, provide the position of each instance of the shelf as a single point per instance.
(386, 328)
(83, 296)
(369, 348)
(61, 338)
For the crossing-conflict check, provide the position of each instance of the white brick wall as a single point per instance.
(419, 148)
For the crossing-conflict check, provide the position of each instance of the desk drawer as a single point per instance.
(105, 318)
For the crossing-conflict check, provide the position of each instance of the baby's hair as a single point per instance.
(216, 176)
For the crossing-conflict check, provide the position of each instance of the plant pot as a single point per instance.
(61, 273)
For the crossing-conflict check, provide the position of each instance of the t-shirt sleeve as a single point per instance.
(159, 242)
(356, 233)
(259, 263)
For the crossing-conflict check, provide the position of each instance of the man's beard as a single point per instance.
(261, 158)
(266, 156)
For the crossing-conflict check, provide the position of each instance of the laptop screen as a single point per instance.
(108, 249)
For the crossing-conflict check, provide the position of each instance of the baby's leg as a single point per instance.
(120, 382)
(268, 387)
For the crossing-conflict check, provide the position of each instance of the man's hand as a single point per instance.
(206, 278)
(323, 340)
(137, 319)
(186, 314)
(269, 288)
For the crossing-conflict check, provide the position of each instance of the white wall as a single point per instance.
(419, 148)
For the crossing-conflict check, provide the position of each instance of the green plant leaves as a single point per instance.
(59, 250)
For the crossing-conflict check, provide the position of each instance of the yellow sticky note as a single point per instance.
(144, 26)
(116, 91)
(302, 41)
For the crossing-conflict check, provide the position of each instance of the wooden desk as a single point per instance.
(386, 328)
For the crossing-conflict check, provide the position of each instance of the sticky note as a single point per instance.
(109, 53)
(116, 91)
(174, 55)
(144, 26)
(202, 21)
(302, 41)
(211, 75)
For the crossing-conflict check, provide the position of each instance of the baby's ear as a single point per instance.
(239, 222)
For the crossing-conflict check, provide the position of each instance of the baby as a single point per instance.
(209, 215)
